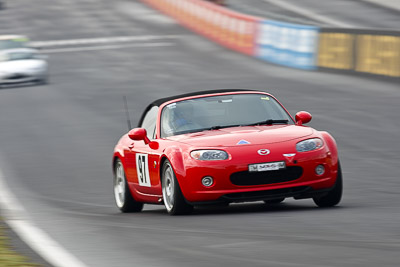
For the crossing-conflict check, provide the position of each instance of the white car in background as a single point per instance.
(22, 65)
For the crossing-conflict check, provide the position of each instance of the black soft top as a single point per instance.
(161, 101)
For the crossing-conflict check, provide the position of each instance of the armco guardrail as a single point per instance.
(287, 44)
(293, 45)
(362, 51)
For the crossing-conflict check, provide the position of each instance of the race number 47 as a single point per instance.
(142, 167)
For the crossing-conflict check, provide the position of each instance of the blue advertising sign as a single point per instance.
(287, 44)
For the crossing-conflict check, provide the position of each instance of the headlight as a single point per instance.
(38, 68)
(309, 145)
(209, 155)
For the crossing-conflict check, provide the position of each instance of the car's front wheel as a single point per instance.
(174, 200)
(333, 197)
(123, 198)
(44, 80)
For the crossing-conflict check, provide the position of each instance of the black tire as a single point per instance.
(333, 197)
(174, 200)
(123, 198)
(274, 201)
(43, 81)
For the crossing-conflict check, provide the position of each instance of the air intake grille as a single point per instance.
(268, 177)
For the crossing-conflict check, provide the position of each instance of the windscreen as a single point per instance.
(9, 44)
(209, 113)
(19, 55)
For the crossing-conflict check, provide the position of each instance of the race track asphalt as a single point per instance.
(56, 145)
(361, 14)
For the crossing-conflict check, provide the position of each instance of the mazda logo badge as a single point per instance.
(263, 152)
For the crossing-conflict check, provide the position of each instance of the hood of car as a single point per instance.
(245, 135)
(22, 65)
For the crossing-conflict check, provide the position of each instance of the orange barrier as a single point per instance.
(230, 29)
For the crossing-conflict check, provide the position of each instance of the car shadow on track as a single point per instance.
(21, 85)
(255, 207)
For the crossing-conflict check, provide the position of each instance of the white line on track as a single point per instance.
(116, 39)
(15, 217)
(307, 13)
(393, 4)
(104, 47)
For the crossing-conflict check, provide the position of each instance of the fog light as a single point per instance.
(320, 169)
(207, 181)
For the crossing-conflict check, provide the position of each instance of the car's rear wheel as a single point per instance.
(174, 200)
(333, 197)
(274, 201)
(123, 198)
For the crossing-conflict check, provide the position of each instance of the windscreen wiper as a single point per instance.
(270, 122)
(217, 127)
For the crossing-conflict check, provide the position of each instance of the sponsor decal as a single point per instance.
(290, 156)
(171, 106)
(243, 142)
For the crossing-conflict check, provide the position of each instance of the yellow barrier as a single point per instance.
(336, 50)
(367, 53)
(378, 54)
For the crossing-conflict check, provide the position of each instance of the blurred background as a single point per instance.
(61, 113)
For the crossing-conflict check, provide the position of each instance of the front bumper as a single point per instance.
(299, 192)
(304, 184)
(22, 77)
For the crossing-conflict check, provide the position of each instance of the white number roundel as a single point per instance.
(142, 168)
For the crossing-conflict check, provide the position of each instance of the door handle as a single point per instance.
(131, 146)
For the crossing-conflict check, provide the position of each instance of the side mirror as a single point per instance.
(303, 117)
(139, 134)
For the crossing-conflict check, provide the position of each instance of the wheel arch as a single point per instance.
(114, 161)
(117, 156)
(332, 145)
(175, 159)
(119, 151)
(174, 155)
(162, 161)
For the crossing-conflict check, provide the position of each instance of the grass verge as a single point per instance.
(8, 256)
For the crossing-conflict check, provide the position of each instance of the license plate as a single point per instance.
(270, 166)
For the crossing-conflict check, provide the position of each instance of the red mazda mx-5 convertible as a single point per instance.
(223, 146)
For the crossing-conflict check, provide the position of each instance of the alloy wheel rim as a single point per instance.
(119, 185)
(168, 188)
